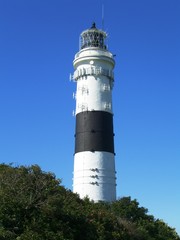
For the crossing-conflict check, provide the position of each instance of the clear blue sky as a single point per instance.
(38, 41)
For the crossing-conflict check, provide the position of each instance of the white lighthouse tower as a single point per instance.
(94, 163)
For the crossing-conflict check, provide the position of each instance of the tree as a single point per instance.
(34, 205)
(138, 223)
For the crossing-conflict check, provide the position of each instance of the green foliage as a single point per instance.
(34, 206)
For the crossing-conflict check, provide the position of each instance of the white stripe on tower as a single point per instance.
(94, 163)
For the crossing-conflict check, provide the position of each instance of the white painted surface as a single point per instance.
(94, 76)
(93, 94)
(94, 175)
(94, 53)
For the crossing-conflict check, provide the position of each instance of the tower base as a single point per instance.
(98, 183)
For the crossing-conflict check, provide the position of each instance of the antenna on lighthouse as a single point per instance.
(102, 16)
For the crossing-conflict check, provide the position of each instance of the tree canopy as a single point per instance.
(34, 205)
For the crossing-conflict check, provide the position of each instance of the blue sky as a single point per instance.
(38, 41)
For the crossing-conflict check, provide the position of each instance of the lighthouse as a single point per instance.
(94, 173)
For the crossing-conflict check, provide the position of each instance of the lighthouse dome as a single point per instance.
(93, 37)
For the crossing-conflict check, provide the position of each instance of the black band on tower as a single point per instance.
(94, 132)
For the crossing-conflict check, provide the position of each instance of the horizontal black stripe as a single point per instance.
(94, 132)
